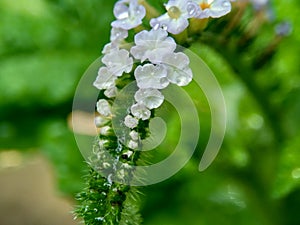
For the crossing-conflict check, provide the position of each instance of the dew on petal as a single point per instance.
(192, 9)
(174, 12)
(155, 24)
(164, 27)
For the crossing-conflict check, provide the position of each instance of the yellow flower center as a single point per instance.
(204, 5)
(174, 12)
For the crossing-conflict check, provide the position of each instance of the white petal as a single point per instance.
(109, 47)
(152, 45)
(107, 130)
(151, 98)
(134, 135)
(118, 34)
(111, 92)
(180, 77)
(118, 61)
(220, 8)
(130, 122)
(150, 76)
(101, 121)
(103, 108)
(133, 144)
(217, 8)
(105, 79)
(140, 111)
(174, 26)
(128, 17)
(178, 60)
(178, 68)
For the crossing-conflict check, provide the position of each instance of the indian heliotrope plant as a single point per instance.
(153, 61)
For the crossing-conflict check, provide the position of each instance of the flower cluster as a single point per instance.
(175, 20)
(154, 51)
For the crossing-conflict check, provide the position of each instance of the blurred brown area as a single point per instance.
(29, 194)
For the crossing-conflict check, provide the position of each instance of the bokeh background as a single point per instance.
(45, 47)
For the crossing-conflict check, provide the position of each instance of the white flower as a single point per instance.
(107, 130)
(152, 45)
(176, 18)
(134, 135)
(150, 76)
(213, 8)
(151, 98)
(118, 61)
(109, 47)
(130, 122)
(133, 144)
(103, 143)
(140, 111)
(105, 79)
(101, 121)
(103, 108)
(118, 34)
(111, 92)
(129, 14)
(178, 68)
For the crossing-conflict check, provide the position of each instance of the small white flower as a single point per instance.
(134, 135)
(118, 61)
(140, 111)
(103, 108)
(176, 18)
(213, 8)
(133, 144)
(129, 14)
(105, 79)
(109, 47)
(130, 122)
(111, 92)
(178, 68)
(101, 121)
(103, 143)
(150, 76)
(118, 34)
(152, 45)
(105, 131)
(151, 98)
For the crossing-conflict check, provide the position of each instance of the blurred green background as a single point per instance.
(45, 47)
